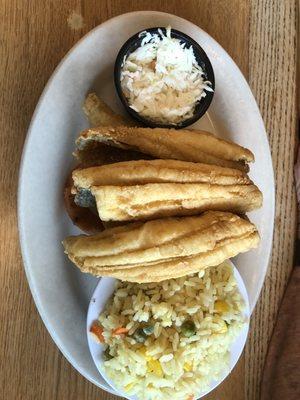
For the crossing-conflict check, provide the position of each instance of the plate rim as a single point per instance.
(22, 241)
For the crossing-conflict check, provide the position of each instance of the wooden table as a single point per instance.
(260, 35)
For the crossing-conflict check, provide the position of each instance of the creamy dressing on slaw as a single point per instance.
(162, 79)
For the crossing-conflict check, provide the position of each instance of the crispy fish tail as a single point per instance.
(99, 113)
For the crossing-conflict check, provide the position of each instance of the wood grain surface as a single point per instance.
(260, 35)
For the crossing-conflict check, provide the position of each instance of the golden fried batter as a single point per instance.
(100, 114)
(156, 171)
(146, 189)
(184, 144)
(162, 249)
(156, 200)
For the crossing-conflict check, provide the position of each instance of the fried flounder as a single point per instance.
(184, 144)
(138, 172)
(162, 249)
(156, 200)
(148, 189)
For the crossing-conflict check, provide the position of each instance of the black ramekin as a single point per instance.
(201, 107)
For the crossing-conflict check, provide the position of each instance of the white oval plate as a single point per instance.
(104, 291)
(60, 291)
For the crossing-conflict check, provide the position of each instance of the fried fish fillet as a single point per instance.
(156, 200)
(186, 145)
(146, 189)
(99, 113)
(156, 171)
(162, 249)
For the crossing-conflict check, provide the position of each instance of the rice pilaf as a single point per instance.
(172, 339)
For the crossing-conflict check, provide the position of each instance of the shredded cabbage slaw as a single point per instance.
(162, 80)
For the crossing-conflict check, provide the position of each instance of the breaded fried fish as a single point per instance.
(100, 114)
(186, 145)
(137, 172)
(146, 189)
(162, 249)
(156, 200)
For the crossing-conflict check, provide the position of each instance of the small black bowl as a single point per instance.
(201, 107)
